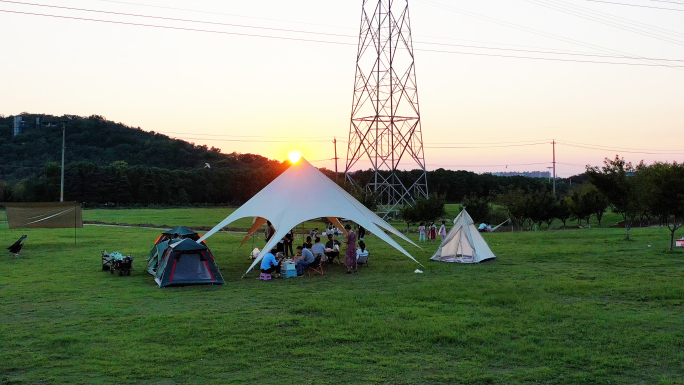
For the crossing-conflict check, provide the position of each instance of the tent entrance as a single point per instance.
(190, 268)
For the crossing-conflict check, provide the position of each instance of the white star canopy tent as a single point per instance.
(303, 193)
(464, 243)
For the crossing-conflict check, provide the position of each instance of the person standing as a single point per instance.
(350, 254)
(289, 238)
(442, 231)
(362, 233)
(421, 230)
(432, 235)
(270, 230)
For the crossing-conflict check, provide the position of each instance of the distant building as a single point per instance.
(530, 174)
(24, 122)
(19, 125)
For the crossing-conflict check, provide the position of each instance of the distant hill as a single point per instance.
(103, 142)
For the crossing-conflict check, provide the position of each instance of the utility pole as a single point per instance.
(554, 167)
(61, 190)
(335, 143)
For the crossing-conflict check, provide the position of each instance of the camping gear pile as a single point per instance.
(182, 261)
(117, 262)
(463, 244)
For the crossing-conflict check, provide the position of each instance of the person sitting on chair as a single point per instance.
(270, 264)
(307, 244)
(332, 248)
(361, 251)
(318, 248)
(304, 258)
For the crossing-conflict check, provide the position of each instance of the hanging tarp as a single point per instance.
(44, 215)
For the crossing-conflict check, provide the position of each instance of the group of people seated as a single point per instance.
(330, 230)
(484, 228)
(272, 261)
(308, 253)
(328, 251)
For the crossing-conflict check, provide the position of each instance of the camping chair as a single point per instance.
(316, 266)
(17, 246)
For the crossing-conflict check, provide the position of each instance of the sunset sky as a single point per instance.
(269, 95)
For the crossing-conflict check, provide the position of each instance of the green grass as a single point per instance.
(208, 217)
(556, 307)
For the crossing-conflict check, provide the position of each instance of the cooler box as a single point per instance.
(289, 269)
(679, 242)
(290, 273)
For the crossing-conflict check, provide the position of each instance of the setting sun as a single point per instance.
(294, 156)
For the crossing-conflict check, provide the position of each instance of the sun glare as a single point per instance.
(294, 156)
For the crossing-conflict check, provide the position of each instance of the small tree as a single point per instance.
(562, 208)
(515, 203)
(367, 198)
(430, 209)
(409, 215)
(594, 202)
(578, 206)
(663, 190)
(618, 182)
(478, 208)
(540, 207)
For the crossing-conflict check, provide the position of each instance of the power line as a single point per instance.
(323, 25)
(523, 28)
(624, 151)
(601, 19)
(239, 136)
(635, 5)
(619, 148)
(174, 28)
(555, 59)
(497, 146)
(546, 52)
(173, 19)
(666, 1)
(257, 141)
(621, 19)
(330, 42)
(321, 33)
(219, 13)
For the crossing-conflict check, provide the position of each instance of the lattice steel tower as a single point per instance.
(385, 119)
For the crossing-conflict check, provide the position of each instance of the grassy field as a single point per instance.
(209, 217)
(556, 307)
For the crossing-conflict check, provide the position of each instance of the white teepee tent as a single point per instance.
(464, 243)
(303, 193)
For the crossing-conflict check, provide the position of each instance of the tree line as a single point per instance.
(642, 193)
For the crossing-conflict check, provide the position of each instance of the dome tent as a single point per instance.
(186, 262)
(178, 232)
